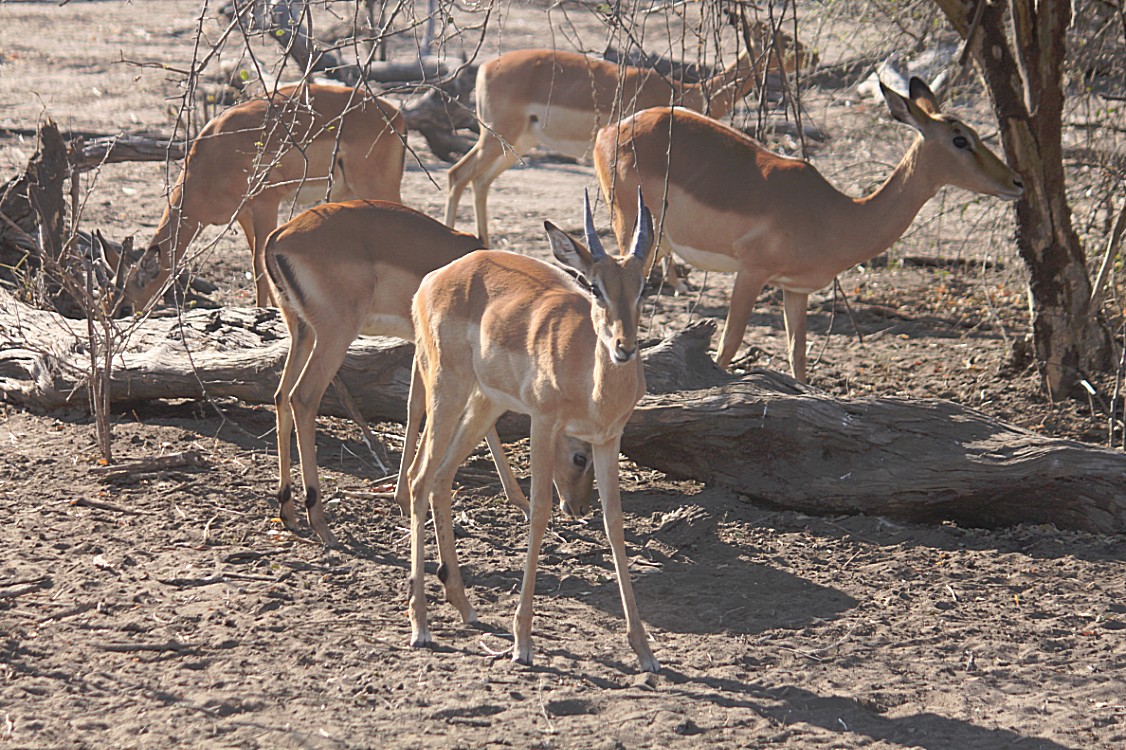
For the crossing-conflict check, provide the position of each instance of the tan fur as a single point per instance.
(500, 331)
(734, 206)
(243, 165)
(344, 269)
(561, 99)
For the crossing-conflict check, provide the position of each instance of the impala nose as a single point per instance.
(622, 353)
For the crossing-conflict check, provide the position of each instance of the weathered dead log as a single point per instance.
(439, 113)
(763, 434)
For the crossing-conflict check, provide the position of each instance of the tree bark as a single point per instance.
(764, 435)
(1025, 79)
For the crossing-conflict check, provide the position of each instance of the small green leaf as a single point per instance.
(244, 75)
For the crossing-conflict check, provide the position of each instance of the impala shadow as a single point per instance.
(848, 717)
(693, 581)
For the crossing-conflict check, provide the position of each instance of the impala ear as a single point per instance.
(922, 96)
(642, 241)
(903, 109)
(567, 251)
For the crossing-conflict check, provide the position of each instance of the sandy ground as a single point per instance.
(173, 609)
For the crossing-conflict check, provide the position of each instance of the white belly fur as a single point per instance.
(388, 325)
(703, 259)
(562, 130)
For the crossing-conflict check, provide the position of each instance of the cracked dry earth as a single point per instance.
(172, 609)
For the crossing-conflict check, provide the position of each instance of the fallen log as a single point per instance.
(763, 434)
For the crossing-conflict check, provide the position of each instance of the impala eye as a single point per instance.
(580, 460)
(960, 141)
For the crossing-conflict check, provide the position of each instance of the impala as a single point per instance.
(302, 142)
(561, 99)
(733, 206)
(498, 331)
(345, 269)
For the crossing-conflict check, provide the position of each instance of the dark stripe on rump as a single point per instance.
(288, 282)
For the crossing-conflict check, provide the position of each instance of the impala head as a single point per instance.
(961, 158)
(615, 283)
(140, 276)
(574, 475)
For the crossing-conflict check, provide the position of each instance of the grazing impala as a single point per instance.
(561, 99)
(733, 206)
(344, 269)
(498, 331)
(258, 155)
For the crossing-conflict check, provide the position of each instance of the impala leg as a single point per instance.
(459, 177)
(606, 474)
(478, 417)
(446, 398)
(512, 489)
(263, 219)
(795, 311)
(748, 286)
(416, 409)
(420, 483)
(325, 359)
(300, 347)
(493, 161)
(544, 435)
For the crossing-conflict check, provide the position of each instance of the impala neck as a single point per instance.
(614, 383)
(871, 224)
(716, 96)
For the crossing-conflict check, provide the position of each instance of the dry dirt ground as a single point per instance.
(173, 610)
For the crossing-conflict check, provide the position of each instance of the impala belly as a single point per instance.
(703, 259)
(376, 324)
(563, 130)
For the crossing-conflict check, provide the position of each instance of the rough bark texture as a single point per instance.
(1025, 78)
(33, 215)
(763, 435)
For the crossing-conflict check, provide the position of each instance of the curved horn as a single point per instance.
(592, 242)
(643, 229)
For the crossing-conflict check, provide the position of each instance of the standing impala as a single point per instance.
(256, 156)
(734, 206)
(561, 99)
(499, 331)
(345, 269)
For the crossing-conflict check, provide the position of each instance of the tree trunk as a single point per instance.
(1025, 81)
(764, 435)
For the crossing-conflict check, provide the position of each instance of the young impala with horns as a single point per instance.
(345, 269)
(261, 154)
(498, 331)
(734, 206)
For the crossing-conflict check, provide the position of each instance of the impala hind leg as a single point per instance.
(795, 312)
(323, 363)
(544, 435)
(484, 162)
(300, 347)
(258, 219)
(416, 410)
(446, 398)
(481, 184)
(459, 176)
(747, 288)
(479, 415)
(606, 474)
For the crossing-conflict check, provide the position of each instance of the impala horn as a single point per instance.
(592, 242)
(643, 231)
